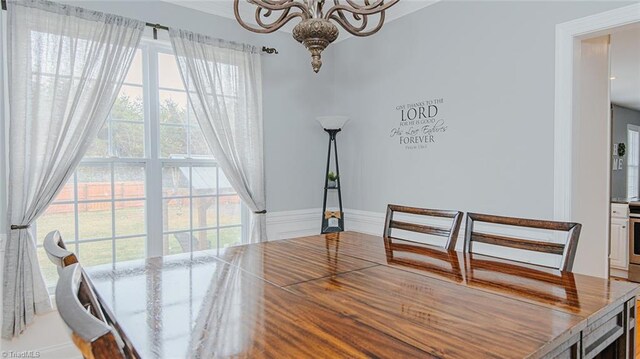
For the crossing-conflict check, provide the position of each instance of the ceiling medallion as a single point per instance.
(316, 31)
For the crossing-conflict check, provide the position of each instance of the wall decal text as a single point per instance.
(419, 124)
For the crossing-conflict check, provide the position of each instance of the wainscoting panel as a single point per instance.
(306, 222)
(291, 224)
(3, 238)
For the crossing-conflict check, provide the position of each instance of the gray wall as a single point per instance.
(622, 117)
(493, 64)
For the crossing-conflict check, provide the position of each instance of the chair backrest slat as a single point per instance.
(523, 222)
(419, 228)
(566, 250)
(424, 211)
(450, 233)
(538, 246)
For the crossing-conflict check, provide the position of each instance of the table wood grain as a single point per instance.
(569, 292)
(351, 295)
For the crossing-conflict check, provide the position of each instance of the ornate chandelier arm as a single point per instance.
(272, 2)
(377, 7)
(355, 5)
(343, 19)
(364, 20)
(277, 5)
(269, 6)
(266, 14)
(357, 30)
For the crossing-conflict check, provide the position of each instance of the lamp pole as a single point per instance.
(332, 221)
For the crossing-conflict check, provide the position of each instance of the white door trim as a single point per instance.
(567, 35)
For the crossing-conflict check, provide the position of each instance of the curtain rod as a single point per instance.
(155, 27)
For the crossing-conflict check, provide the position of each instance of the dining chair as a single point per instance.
(566, 250)
(450, 233)
(92, 330)
(57, 251)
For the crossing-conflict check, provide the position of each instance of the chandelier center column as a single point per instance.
(315, 35)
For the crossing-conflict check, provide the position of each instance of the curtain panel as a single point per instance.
(225, 90)
(66, 66)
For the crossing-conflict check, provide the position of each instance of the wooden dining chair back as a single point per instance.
(57, 251)
(566, 251)
(450, 233)
(93, 329)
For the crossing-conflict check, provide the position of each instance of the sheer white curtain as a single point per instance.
(225, 90)
(66, 66)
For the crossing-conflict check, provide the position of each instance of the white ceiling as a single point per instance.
(224, 8)
(625, 67)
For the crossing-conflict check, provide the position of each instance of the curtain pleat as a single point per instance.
(66, 66)
(225, 89)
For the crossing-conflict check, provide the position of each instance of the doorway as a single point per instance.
(624, 54)
(582, 131)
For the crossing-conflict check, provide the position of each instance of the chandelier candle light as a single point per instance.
(316, 31)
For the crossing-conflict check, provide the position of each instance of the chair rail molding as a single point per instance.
(568, 35)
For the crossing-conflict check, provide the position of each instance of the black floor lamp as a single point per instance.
(332, 221)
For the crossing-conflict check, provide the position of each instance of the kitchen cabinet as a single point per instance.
(619, 253)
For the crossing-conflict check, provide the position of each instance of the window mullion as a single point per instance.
(76, 211)
(191, 207)
(113, 215)
(155, 239)
(110, 151)
(217, 209)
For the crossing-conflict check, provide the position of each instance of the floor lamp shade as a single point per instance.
(332, 122)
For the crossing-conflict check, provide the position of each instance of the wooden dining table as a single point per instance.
(352, 295)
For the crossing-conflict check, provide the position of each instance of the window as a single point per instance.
(633, 139)
(149, 184)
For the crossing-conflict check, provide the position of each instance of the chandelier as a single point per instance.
(316, 31)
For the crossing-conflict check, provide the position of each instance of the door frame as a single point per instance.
(568, 36)
(568, 42)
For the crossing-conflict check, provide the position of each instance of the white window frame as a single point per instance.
(155, 229)
(153, 164)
